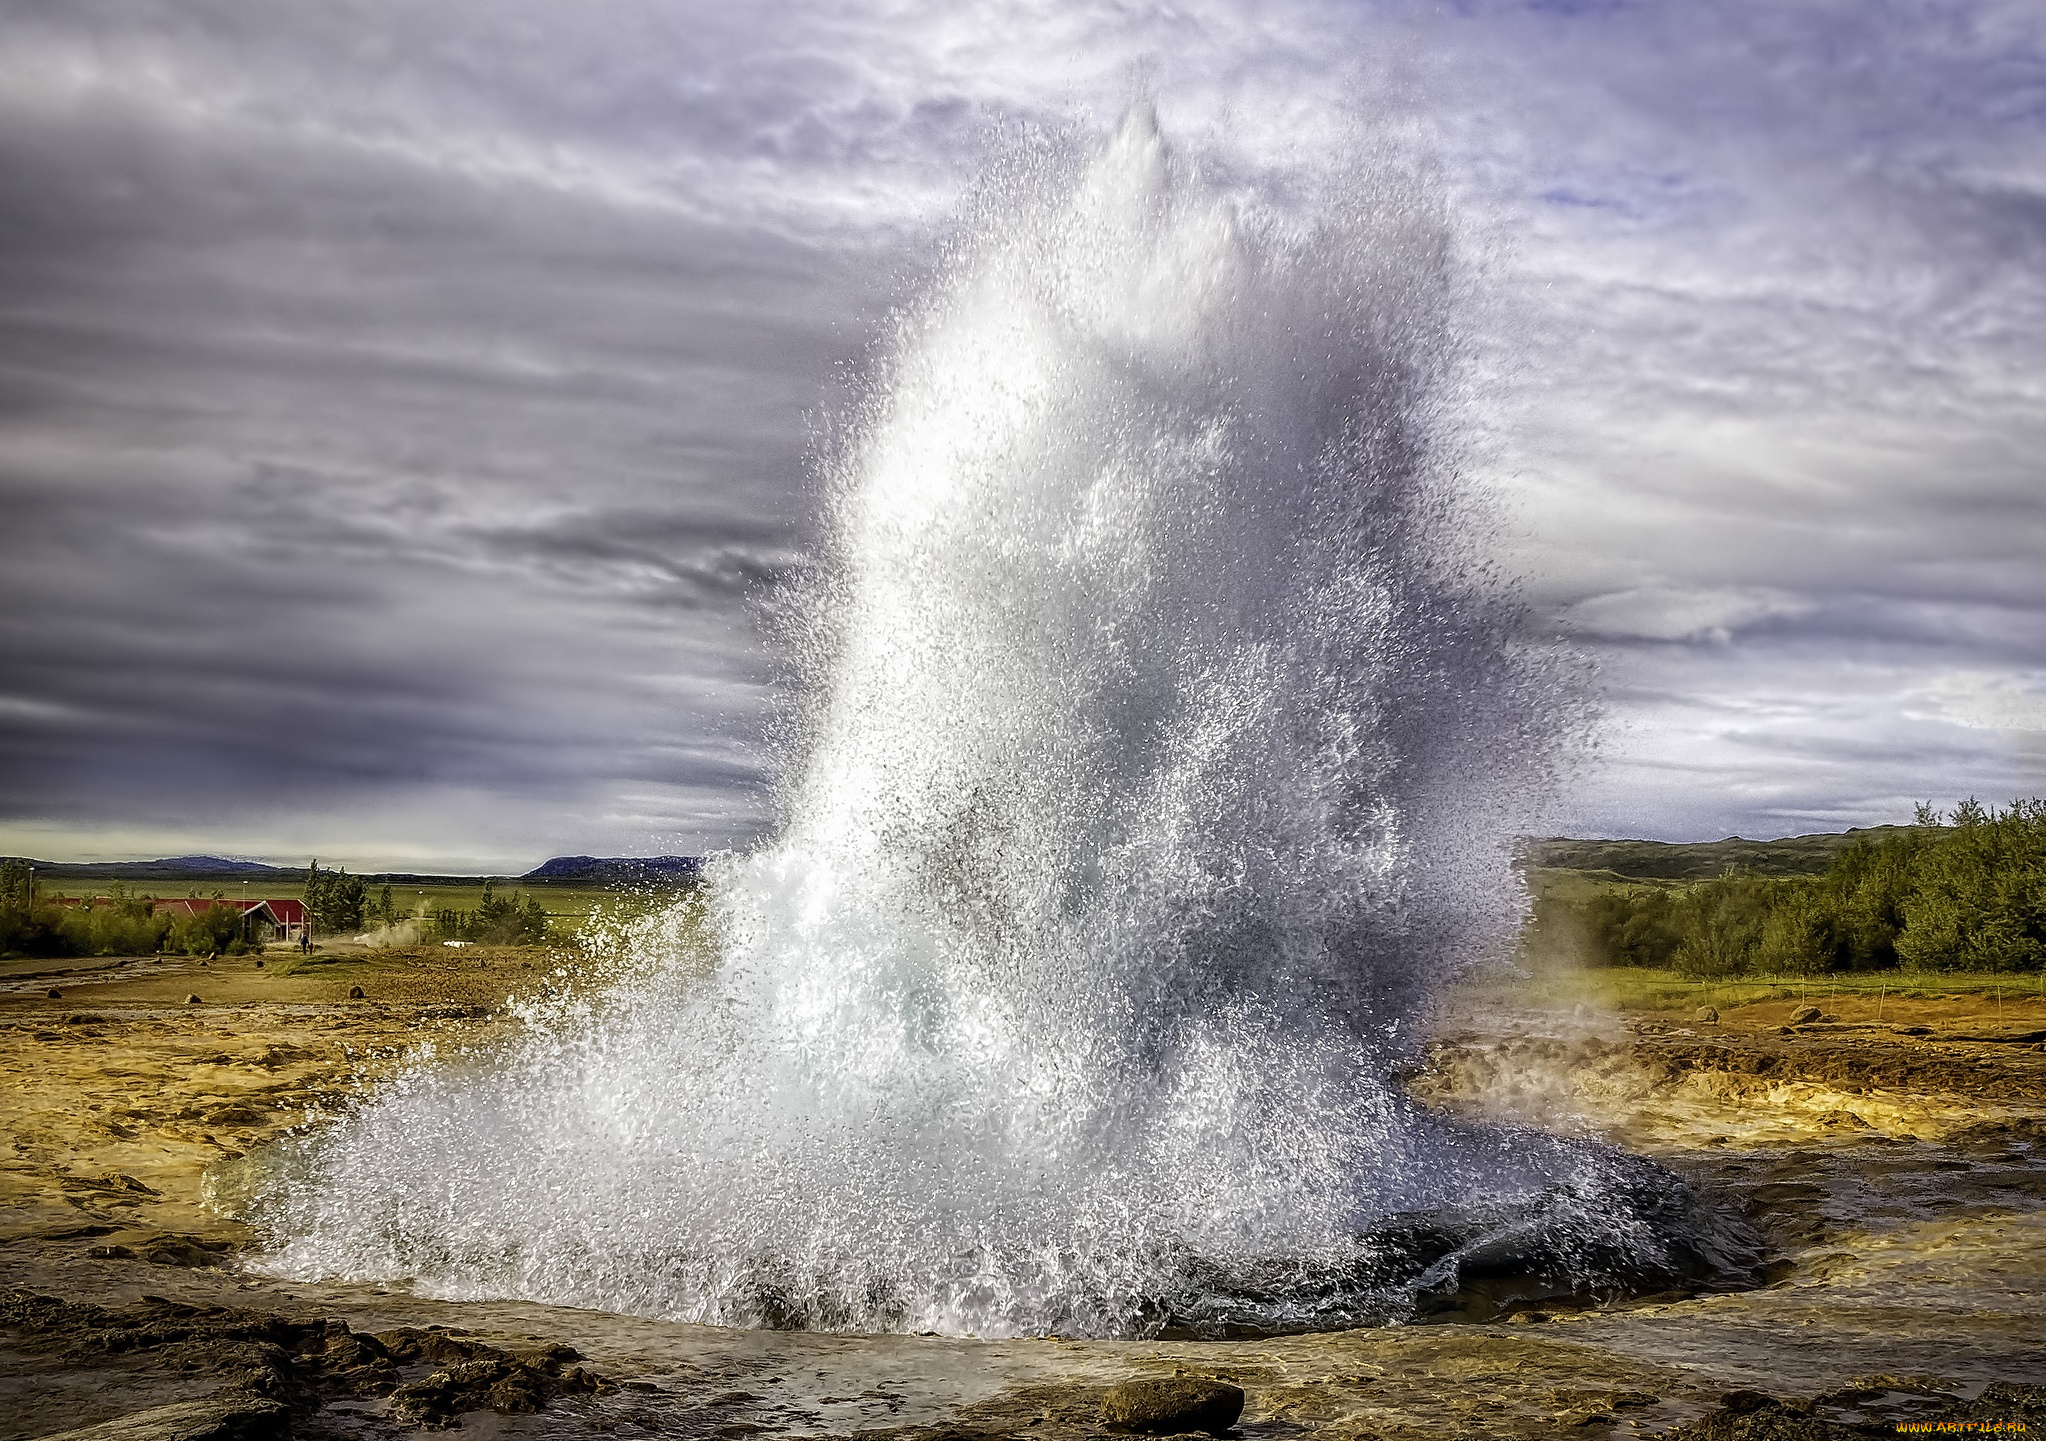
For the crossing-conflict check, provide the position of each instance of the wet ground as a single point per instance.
(1896, 1165)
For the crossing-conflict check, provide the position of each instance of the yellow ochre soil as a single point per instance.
(1895, 1164)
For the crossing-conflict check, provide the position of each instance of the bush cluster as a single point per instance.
(496, 921)
(121, 925)
(1961, 892)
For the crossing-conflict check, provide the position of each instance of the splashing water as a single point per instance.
(1161, 756)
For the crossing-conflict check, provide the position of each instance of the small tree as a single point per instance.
(1978, 901)
(30, 924)
(333, 899)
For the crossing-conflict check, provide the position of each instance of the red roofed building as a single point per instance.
(289, 917)
(270, 920)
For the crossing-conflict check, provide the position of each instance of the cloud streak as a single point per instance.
(399, 404)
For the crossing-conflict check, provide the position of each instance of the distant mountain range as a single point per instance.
(1703, 860)
(618, 870)
(1793, 855)
(586, 870)
(170, 868)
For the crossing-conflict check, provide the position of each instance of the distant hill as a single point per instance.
(1702, 860)
(627, 871)
(170, 868)
(618, 870)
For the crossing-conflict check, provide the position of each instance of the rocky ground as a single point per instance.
(1895, 1162)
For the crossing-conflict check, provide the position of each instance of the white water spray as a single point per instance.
(1157, 775)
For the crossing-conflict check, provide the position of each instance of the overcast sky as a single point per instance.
(399, 399)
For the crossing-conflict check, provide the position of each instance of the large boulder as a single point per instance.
(234, 1417)
(1171, 1406)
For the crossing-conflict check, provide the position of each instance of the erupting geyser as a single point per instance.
(1161, 757)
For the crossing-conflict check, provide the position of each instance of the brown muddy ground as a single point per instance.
(1896, 1165)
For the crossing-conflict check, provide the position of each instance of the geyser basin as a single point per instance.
(1162, 747)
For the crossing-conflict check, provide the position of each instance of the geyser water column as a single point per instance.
(1162, 750)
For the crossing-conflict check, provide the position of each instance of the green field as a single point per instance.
(1540, 981)
(567, 905)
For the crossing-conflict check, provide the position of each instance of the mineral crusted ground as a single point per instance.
(1897, 1166)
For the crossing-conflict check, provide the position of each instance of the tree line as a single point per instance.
(336, 903)
(123, 925)
(1963, 891)
(497, 921)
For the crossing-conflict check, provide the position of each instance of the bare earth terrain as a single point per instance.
(1896, 1164)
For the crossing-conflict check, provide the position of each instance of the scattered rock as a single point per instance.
(1580, 1402)
(1804, 1015)
(1707, 1014)
(221, 1418)
(235, 1114)
(1174, 1405)
(1867, 1413)
(184, 1251)
(480, 1376)
(355, 993)
(266, 1360)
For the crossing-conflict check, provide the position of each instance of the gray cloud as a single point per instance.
(401, 405)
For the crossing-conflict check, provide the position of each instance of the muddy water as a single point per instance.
(1898, 1171)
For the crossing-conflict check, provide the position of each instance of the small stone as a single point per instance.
(193, 1000)
(1706, 1014)
(1804, 1015)
(1174, 1405)
(355, 993)
(54, 994)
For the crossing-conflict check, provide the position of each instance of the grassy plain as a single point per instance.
(137, 1093)
(568, 906)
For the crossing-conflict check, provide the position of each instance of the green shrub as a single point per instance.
(218, 930)
(1966, 892)
(496, 921)
(121, 925)
(1978, 902)
(1632, 928)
